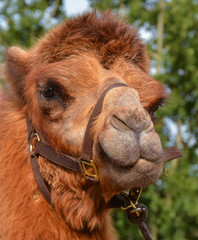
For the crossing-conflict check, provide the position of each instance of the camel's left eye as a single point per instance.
(48, 92)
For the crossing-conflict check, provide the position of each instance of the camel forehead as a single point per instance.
(105, 36)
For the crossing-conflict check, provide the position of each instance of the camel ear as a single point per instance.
(16, 69)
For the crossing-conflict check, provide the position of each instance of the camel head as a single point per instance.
(57, 84)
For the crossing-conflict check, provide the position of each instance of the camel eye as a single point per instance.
(48, 92)
(151, 110)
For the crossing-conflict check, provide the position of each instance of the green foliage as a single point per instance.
(172, 201)
(21, 22)
(124, 227)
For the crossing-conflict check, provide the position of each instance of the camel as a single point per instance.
(56, 85)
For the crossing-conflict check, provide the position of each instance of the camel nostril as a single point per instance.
(119, 123)
(137, 120)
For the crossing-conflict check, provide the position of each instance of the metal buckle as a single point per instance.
(35, 139)
(86, 173)
(133, 196)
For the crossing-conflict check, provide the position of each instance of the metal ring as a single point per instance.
(32, 146)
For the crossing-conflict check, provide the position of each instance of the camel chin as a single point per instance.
(114, 180)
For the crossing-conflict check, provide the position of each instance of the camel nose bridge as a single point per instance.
(126, 110)
(134, 117)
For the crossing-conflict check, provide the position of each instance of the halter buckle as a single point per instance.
(87, 174)
(133, 197)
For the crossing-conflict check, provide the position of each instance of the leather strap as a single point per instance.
(119, 200)
(171, 153)
(60, 159)
(88, 137)
(40, 181)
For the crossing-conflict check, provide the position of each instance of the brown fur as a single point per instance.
(81, 57)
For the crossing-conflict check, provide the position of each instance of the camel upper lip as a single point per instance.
(116, 164)
(113, 161)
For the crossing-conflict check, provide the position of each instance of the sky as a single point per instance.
(74, 7)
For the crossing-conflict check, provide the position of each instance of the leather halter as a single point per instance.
(83, 164)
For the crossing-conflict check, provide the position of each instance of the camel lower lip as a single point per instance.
(145, 166)
(142, 166)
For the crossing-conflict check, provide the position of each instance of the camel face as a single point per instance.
(127, 151)
(58, 83)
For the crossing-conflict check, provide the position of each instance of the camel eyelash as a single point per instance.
(154, 118)
(152, 110)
